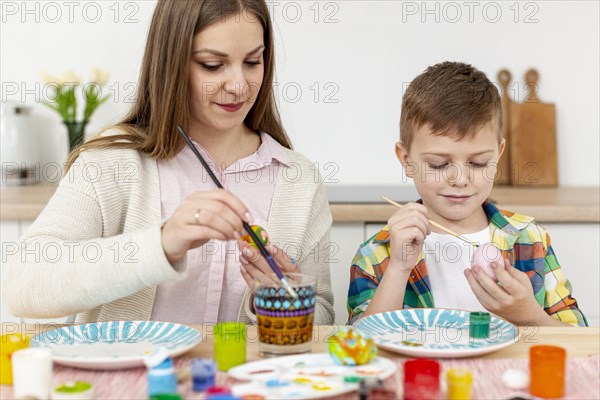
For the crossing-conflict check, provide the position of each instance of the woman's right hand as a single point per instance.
(408, 228)
(200, 217)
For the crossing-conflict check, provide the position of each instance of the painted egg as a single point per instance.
(348, 347)
(485, 255)
(261, 233)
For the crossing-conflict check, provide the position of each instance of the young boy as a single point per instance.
(450, 143)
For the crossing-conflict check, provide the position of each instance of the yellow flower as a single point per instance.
(99, 76)
(47, 78)
(68, 88)
(70, 78)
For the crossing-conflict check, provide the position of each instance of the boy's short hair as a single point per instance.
(454, 98)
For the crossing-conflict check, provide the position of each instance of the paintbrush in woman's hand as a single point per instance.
(255, 239)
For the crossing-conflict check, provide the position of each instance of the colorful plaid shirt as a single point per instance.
(523, 242)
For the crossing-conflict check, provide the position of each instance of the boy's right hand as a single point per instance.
(200, 217)
(408, 228)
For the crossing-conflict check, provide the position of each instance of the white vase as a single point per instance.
(19, 153)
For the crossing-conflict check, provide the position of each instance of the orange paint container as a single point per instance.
(547, 369)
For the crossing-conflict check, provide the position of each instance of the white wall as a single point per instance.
(368, 52)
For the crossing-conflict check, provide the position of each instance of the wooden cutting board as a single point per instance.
(503, 173)
(533, 154)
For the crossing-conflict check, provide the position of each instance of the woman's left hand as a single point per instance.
(254, 265)
(511, 297)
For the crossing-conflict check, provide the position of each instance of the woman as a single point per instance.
(137, 231)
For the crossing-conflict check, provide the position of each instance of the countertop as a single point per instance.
(545, 204)
(362, 204)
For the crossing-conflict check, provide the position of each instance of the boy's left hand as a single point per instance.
(511, 297)
(254, 265)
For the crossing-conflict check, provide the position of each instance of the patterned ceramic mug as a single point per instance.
(285, 324)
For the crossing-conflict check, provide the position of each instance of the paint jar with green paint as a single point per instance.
(479, 325)
(229, 345)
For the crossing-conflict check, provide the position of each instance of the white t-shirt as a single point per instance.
(446, 258)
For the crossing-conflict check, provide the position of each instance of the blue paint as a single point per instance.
(222, 396)
(203, 374)
(276, 383)
(162, 379)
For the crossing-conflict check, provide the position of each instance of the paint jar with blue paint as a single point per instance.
(223, 396)
(203, 371)
(161, 372)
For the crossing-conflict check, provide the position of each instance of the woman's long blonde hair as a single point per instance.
(163, 95)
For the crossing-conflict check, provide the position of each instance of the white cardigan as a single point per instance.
(96, 247)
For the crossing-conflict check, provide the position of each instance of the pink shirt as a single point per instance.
(213, 289)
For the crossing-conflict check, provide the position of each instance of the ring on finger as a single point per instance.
(197, 217)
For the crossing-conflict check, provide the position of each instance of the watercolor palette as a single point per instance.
(306, 376)
(434, 333)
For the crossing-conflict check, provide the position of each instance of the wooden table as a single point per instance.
(579, 342)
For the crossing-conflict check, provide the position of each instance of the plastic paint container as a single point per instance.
(479, 325)
(204, 371)
(421, 379)
(10, 343)
(459, 382)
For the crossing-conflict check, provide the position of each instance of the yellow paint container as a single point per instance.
(459, 384)
(10, 343)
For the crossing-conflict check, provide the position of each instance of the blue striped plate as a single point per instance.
(434, 332)
(115, 344)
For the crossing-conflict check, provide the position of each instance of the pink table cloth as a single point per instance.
(582, 380)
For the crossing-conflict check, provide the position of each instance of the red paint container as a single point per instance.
(421, 379)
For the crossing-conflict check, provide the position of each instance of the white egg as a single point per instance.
(515, 379)
(485, 255)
